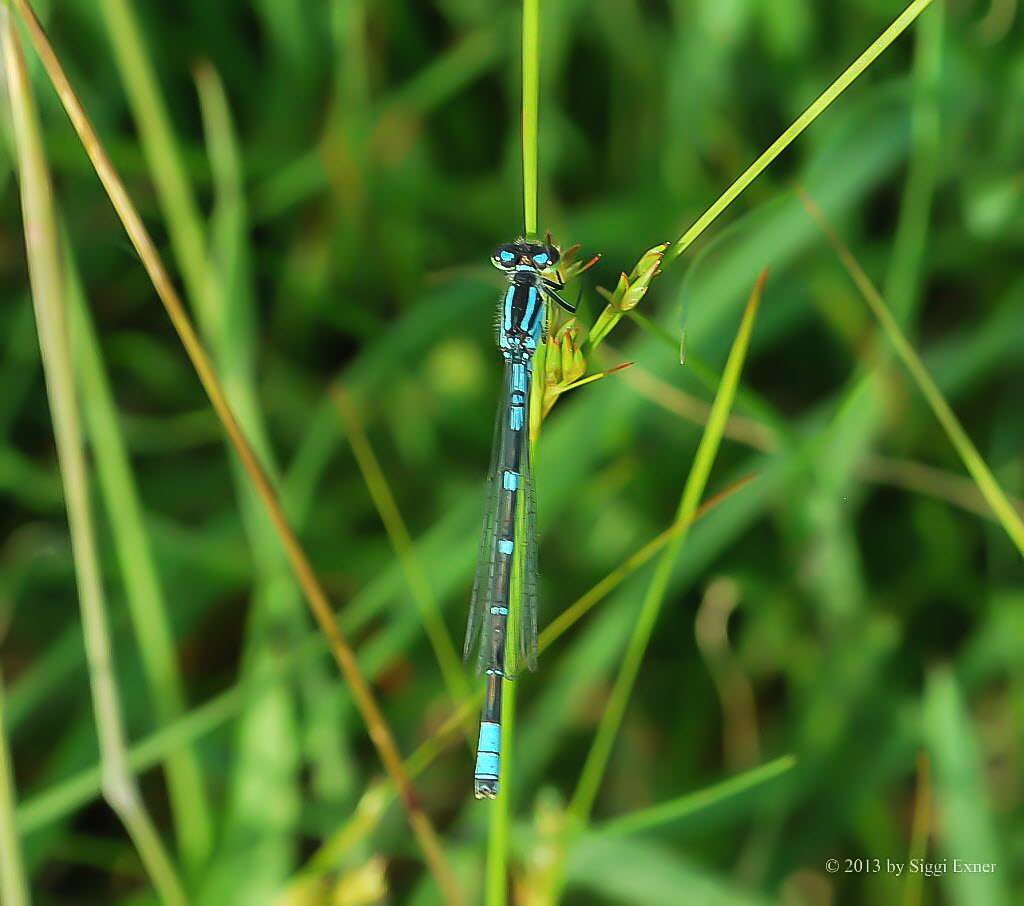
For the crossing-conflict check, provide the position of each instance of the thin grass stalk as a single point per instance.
(701, 800)
(990, 489)
(817, 107)
(600, 751)
(13, 880)
(902, 281)
(496, 888)
(189, 802)
(500, 823)
(45, 275)
(370, 710)
(227, 321)
(919, 830)
(531, 111)
(401, 542)
(584, 604)
(160, 146)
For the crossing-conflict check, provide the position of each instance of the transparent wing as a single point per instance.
(487, 557)
(502, 624)
(521, 647)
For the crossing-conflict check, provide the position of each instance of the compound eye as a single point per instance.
(505, 256)
(553, 256)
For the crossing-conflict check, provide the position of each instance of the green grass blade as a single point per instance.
(193, 820)
(160, 146)
(1004, 511)
(266, 843)
(692, 803)
(500, 819)
(531, 111)
(919, 831)
(968, 830)
(645, 873)
(45, 275)
(903, 280)
(419, 585)
(805, 119)
(13, 881)
(600, 751)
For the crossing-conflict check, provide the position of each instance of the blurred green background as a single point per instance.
(854, 606)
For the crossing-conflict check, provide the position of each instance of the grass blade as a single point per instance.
(1004, 511)
(13, 883)
(853, 71)
(919, 830)
(642, 873)
(691, 803)
(600, 751)
(193, 821)
(499, 826)
(967, 829)
(160, 146)
(319, 603)
(401, 542)
(256, 855)
(45, 270)
(531, 111)
(575, 611)
(902, 282)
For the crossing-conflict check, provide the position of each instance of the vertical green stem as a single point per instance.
(531, 109)
(497, 846)
(501, 810)
(13, 885)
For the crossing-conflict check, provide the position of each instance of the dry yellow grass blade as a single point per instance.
(365, 700)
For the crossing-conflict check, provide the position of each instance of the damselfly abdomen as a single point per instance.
(503, 612)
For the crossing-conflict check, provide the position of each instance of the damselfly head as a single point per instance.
(538, 255)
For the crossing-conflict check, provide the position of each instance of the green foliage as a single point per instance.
(328, 199)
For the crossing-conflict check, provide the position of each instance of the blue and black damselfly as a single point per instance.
(503, 611)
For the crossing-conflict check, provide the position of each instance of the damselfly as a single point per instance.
(503, 610)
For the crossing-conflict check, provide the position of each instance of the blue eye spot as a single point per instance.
(506, 257)
(541, 259)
